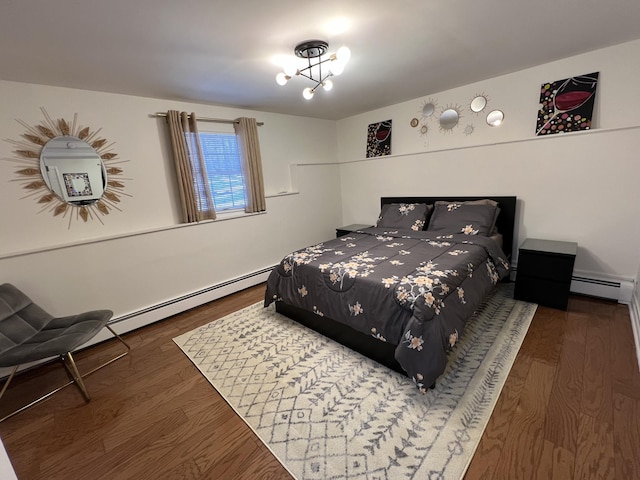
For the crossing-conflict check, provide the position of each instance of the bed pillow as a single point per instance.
(404, 216)
(477, 217)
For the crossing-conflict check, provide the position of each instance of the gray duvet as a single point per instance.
(412, 289)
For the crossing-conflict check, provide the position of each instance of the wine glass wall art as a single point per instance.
(379, 139)
(567, 105)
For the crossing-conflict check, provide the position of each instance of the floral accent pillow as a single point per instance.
(476, 217)
(404, 216)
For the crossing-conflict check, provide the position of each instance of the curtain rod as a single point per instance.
(205, 119)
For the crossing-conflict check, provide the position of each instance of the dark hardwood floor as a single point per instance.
(570, 408)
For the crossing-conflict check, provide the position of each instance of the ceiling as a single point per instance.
(221, 51)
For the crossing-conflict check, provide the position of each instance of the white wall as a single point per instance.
(579, 187)
(110, 265)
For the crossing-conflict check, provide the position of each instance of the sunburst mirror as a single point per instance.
(69, 169)
(478, 103)
(428, 108)
(449, 118)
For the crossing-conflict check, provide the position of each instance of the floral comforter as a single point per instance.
(411, 289)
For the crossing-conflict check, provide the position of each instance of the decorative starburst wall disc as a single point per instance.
(69, 169)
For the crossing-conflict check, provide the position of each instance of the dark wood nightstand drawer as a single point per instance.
(544, 292)
(546, 265)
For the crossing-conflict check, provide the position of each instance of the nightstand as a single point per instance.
(340, 231)
(544, 272)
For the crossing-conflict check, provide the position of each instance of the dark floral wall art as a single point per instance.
(567, 105)
(379, 139)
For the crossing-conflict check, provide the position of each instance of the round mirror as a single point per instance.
(478, 103)
(448, 119)
(495, 118)
(428, 109)
(73, 170)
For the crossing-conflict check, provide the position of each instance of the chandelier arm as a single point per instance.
(310, 76)
(307, 76)
(325, 77)
(325, 60)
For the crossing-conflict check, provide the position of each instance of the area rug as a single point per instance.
(327, 412)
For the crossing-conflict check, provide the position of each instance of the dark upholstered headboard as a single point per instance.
(505, 223)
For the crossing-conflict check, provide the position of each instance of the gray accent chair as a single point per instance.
(29, 334)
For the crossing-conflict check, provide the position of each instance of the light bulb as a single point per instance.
(339, 60)
(327, 84)
(282, 78)
(290, 68)
(336, 67)
(307, 93)
(343, 55)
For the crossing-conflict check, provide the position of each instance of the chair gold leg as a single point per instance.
(70, 363)
(38, 400)
(77, 378)
(117, 357)
(6, 384)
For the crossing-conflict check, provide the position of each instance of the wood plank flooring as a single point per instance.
(570, 408)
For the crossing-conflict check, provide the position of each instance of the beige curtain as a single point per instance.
(195, 192)
(249, 146)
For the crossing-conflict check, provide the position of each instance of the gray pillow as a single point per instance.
(404, 216)
(477, 217)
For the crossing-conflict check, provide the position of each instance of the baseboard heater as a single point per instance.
(620, 291)
(595, 281)
(193, 295)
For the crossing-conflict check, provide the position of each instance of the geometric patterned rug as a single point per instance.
(327, 412)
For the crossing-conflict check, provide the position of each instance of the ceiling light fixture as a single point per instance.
(313, 50)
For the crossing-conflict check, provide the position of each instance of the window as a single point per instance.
(216, 171)
(224, 170)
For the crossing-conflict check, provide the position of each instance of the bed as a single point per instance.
(401, 291)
